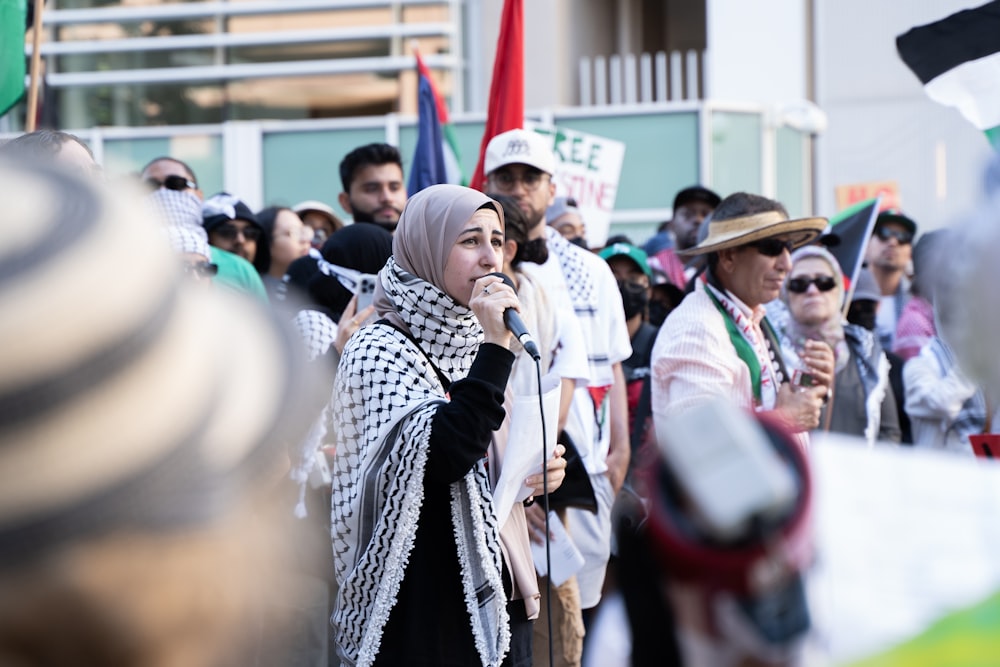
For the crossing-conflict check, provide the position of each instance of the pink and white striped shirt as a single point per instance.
(694, 361)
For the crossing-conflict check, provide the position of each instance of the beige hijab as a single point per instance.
(428, 228)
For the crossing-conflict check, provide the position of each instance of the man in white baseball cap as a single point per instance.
(520, 163)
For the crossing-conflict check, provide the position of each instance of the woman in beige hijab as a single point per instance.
(415, 539)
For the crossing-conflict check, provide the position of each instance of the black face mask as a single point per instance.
(863, 313)
(635, 298)
(579, 241)
(658, 312)
(534, 251)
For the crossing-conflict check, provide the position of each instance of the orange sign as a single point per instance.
(852, 194)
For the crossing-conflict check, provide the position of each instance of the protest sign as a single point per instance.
(587, 168)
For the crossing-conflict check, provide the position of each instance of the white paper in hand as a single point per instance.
(565, 557)
(523, 455)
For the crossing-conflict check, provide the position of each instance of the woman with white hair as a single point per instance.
(861, 401)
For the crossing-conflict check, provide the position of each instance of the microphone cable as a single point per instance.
(545, 507)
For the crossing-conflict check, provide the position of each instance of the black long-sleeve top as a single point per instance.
(429, 625)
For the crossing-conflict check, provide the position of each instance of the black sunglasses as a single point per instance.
(178, 183)
(822, 283)
(229, 232)
(772, 247)
(904, 238)
(201, 269)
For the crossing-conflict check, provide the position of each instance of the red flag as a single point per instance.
(506, 105)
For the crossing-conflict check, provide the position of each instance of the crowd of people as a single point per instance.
(396, 420)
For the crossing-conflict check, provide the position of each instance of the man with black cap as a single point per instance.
(231, 225)
(888, 256)
(718, 343)
(692, 206)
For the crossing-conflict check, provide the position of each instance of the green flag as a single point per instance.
(13, 14)
(967, 637)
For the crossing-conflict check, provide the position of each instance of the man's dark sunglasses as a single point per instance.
(904, 237)
(772, 247)
(822, 283)
(178, 183)
(228, 232)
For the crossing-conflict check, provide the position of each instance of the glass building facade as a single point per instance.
(264, 97)
(140, 63)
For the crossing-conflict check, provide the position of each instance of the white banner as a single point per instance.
(587, 168)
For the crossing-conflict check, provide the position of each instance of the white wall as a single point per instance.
(756, 50)
(554, 32)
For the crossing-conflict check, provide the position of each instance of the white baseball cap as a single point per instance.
(519, 147)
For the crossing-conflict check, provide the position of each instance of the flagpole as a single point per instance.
(36, 63)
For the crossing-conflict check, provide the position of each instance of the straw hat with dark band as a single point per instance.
(735, 232)
(129, 398)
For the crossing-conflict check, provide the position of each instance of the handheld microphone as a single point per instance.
(515, 324)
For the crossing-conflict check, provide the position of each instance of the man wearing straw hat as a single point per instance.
(718, 342)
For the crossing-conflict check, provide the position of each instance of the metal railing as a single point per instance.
(395, 61)
(231, 39)
(644, 79)
(238, 71)
(189, 10)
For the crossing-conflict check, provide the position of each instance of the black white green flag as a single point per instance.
(958, 61)
(853, 227)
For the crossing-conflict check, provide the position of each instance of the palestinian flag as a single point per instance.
(958, 61)
(853, 227)
(436, 157)
(13, 15)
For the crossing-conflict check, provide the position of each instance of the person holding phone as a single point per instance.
(861, 401)
(718, 345)
(718, 341)
(418, 395)
(366, 293)
(335, 308)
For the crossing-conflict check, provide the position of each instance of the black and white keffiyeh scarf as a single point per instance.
(387, 392)
(873, 369)
(579, 281)
(318, 331)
